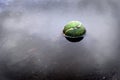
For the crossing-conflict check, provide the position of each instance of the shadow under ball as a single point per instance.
(74, 31)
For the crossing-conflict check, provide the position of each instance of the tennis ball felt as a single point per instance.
(74, 29)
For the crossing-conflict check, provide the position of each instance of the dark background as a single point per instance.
(32, 46)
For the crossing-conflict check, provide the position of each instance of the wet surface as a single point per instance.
(32, 46)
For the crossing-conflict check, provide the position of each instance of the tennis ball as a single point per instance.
(74, 29)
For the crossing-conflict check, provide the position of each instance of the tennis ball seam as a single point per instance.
(76, 27)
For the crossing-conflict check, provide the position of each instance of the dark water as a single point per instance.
(32, 46)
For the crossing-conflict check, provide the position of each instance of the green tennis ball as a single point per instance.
(74, 29)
